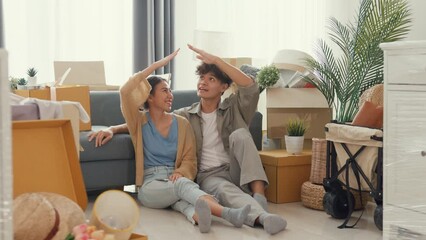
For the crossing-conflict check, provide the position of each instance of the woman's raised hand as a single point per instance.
(163, 62)
(203, 55)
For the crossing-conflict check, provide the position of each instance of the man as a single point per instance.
(228, 162)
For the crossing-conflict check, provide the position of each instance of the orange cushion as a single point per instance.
(369, 115)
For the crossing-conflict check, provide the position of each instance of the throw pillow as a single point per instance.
(369, 115)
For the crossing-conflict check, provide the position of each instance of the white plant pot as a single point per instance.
(21, 87)
(294, 144)
(32, 81)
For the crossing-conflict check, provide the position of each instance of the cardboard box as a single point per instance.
(43, 93)
(76, 93)
(286, 174)
(79, 94)
(45, 159)
(135, 236)
(90, 73)
(283, 104)
(238, 61)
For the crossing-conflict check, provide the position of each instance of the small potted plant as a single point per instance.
(267, 76)
(32, 78)
(13, 83)
(21, 84)
(296, 129)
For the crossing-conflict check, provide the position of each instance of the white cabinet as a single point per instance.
(404, 160)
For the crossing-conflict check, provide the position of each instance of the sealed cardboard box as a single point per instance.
(43, 93)
(286, 174)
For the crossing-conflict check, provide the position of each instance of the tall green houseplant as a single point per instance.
(343, 76)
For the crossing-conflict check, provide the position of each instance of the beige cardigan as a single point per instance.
(133, 94)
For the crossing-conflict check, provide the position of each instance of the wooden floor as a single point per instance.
(303, 223)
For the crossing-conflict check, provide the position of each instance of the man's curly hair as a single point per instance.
(205, 68)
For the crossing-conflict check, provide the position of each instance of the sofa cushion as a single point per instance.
(102, 102)
(119, 147)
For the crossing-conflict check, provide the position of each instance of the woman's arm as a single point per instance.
(136, 91)
(132, 95)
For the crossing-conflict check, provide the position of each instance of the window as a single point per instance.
(40, 32)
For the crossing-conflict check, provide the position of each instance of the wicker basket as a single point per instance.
(313, 194)
(318, 164)
(373, 94)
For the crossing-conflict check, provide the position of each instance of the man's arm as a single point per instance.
(103, 136)
(234, 73)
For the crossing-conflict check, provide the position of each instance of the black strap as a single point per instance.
(351, 163)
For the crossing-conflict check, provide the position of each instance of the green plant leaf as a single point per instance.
(267, 76)
(343, 76)
(296, 127)
(31, 72)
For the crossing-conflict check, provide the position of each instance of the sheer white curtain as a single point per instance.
(40, 32)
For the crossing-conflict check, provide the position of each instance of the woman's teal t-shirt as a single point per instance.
(158, 150)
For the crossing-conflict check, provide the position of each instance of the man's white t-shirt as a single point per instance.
(213, 153)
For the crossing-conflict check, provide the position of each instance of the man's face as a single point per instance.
(210, 87)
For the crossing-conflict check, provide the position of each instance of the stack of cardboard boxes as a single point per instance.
(287, 173)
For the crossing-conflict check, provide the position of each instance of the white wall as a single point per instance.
(418, 29)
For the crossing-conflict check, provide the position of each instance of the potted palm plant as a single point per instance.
(343, 76)
(296, 129)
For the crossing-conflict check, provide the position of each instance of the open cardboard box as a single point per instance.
(77, 93)
(283, 104)
(45, 159)
(89, 73)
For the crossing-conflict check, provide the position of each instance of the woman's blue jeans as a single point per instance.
(158, 192)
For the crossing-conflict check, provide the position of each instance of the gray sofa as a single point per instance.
(113, 164)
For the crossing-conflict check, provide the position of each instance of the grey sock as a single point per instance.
(236, 216)
(261, 200)
(204, 214)
(272, 223)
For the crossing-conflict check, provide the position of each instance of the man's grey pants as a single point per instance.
(229, 183)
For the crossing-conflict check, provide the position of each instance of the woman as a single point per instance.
(164, 145)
